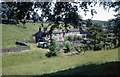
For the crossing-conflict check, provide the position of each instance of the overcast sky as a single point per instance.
(101, 14)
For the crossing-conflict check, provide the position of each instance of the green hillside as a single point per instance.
(10, 33)
(34, 61)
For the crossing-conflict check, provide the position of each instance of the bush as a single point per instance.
(68, 47)
(54, 48)
(84, 47)
(75, 37)
(49, 54)
(79, 38)
(72, 38)
(69, 38)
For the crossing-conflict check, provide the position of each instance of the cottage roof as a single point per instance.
(71, 30)
(38, 34)
(57, 32)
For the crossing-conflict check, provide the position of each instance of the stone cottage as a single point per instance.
(59, 35)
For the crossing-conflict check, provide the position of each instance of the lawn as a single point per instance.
(34, 62)
(10, 33)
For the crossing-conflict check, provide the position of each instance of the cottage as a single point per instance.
(43, 38)
(39, 36)
(59, 35)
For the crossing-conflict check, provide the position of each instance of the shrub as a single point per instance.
(75, 37)
(69, 38)
(79, 38)
(84, 47)
(54, 48)
(68, 47)
(72, 38)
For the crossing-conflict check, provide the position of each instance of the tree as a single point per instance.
(17, 10)
(97, 36)
(61, 8)
(116, 30)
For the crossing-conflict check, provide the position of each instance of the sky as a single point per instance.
(101, 14)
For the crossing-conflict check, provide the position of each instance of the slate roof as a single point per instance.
(71, 30)
(38, 34)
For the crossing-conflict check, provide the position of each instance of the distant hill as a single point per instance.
(103, 23)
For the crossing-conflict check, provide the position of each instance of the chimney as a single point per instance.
(39, 28)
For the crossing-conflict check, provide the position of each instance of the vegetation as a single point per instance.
(114, 23)
(67, 46)
(10, 33)
(54, 48)
(72, 38)
(98, 36)
(33, 62)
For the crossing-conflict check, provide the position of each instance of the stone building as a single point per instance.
(59, 35)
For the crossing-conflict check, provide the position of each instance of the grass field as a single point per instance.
(10, 33)
(34, 62)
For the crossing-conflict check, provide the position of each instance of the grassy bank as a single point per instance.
(10, 33)
(34, 61)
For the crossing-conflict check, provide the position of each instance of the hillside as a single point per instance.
(103, 23)
(10, 33)
(34, 62)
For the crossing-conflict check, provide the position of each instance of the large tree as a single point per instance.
(16, 10)
(97, 36)
(61, 10)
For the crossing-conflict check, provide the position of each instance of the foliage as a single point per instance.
(72, 37)
(84, 47)
(68, 47)
(77, 37)
(16, 10)
(62, 11)
(54, 48)
(68, 38)
(98, 36)
(115, 24)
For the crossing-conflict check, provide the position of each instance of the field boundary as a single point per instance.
(15, 49)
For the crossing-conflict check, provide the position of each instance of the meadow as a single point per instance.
(11, 33)
(34, 62)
